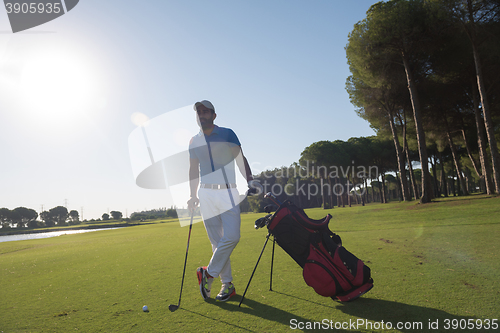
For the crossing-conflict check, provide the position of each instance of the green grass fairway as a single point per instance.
(436, 263)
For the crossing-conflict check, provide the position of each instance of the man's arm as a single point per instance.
(242, 163)
(194, 174)
(255, 188)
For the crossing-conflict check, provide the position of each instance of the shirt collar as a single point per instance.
(214, 131)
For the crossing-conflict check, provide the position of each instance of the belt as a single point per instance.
(217, 186)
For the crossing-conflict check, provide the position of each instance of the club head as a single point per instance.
(259, 223)
(263, 221)
(173, 307)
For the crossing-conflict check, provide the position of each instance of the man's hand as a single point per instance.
(254, 187)
(193, 203)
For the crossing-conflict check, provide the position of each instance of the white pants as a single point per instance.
(221, 217)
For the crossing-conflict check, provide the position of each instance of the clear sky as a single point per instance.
(275, 71)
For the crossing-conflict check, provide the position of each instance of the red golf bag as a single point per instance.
(327, 266)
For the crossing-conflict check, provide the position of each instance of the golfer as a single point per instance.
(212, 155)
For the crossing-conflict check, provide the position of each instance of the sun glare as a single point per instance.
(139, 119)
(56, 86)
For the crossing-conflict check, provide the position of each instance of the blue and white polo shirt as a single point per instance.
(215, 155)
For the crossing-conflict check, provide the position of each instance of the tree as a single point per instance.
(256, 203)
(395, 32)
(382, 104)
(74, 217)
(105, 217)
(483, 155)
(171, 212)
(15, 218)
(447, 117)
(318, 158)
(116, 215)
(474, 17)
(5, 219)
(385, 160)
(137, 216)
(454, 69)
(24, 216)
(59, 215)
(47, 218)
(362, 156)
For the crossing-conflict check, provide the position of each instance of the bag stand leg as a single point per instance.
(272, 263)
(261, 252)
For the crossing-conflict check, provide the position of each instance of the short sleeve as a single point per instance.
(233, 138)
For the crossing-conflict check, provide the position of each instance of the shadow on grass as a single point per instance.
(412, 316)
(329, 303)
(371, 312)
(260, 311)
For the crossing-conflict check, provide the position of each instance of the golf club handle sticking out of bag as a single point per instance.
(173, 307)
(264, 221)
(271, 196)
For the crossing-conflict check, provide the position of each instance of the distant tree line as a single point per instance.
(357, 171)
(154, 214)
(23, 217)
(115, 215)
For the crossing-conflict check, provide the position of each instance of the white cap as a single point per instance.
(205, 103)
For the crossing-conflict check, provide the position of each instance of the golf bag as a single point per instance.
(327, 266)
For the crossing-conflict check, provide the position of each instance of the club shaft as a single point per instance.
(185, 260)
(272, 264)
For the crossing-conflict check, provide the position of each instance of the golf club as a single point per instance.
(173, 307)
